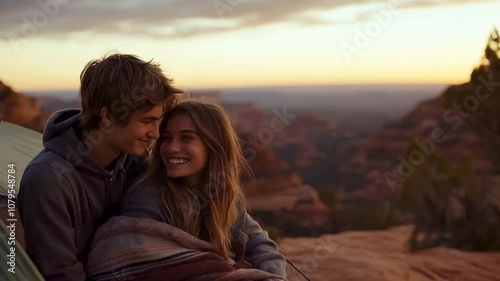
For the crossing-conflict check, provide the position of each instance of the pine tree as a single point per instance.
(451, 204)
(483, 88)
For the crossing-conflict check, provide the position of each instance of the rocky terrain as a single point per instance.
(384, 151)
(382, 256)
(279, 198)
(20, 109)
(313, 146)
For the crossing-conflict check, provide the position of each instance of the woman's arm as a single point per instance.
(261, 251)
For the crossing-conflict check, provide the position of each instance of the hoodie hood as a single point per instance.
(61, 135)
(58, 122)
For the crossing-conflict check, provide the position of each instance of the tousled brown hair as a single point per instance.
(123, 84)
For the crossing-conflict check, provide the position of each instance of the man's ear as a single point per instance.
(106, 118)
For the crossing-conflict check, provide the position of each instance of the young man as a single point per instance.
(75, 184)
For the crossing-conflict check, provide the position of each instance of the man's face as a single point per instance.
(135, 137)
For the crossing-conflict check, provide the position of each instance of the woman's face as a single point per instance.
(182, 151)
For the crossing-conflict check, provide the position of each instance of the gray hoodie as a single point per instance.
(249, 241)
(65, 195)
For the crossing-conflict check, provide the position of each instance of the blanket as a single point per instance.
(127, 248)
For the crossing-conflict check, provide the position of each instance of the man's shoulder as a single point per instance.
(51, 159)
(47, 171)
(47, 163)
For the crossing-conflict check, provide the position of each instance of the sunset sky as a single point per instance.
(241, 43)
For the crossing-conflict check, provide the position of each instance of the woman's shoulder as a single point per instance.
(242, 219)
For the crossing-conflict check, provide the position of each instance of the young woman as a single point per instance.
(193, 183)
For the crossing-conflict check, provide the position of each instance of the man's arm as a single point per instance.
(45, 204)
(262, 251)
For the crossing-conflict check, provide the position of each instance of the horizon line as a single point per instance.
(271, 86)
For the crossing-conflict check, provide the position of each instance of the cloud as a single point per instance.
(168, 18)
(415, 4)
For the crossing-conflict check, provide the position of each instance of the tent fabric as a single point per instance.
(16, 265)
(18, 145)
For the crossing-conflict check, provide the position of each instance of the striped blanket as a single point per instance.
(128, 248)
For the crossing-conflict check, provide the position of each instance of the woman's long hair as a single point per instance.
(209, 210)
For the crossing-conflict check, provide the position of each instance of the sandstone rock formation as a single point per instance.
(22, 110)
(382, 256)
(280, 192)
(384, 151)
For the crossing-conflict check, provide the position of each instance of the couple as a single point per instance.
(94, 207)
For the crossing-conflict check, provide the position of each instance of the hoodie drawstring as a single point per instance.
(107, 205)
(108, 192)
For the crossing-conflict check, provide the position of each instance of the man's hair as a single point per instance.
(123, 84)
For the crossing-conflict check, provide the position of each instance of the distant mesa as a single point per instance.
(22, 110)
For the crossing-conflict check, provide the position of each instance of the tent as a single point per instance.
(18, 146)
(16, 265)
